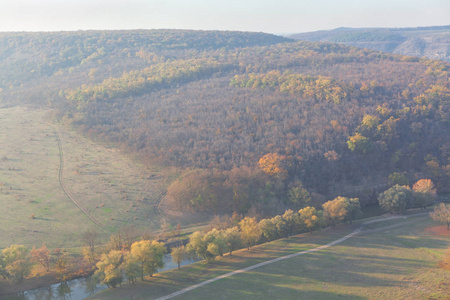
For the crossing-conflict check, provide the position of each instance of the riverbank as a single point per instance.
(6, 288)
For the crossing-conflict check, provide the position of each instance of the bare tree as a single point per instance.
(89, 239)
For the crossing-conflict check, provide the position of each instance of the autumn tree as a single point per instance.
(369, 123)
(336, 210)
(250, 231)
(60, 259)
(272, 164)
(17, 262)
(194, 191)
(441, 213)
(445, 263)
(310, 217)
(109, 268)
(396, 199)
(42, 256)
(89, 239)
(424, 193)
(150, 256)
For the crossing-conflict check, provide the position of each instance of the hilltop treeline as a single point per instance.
(234, 107)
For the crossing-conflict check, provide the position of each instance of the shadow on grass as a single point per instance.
(267, 292)
(394, 241)
(45, 219)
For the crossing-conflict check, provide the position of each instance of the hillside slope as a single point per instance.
(253, 119)
(431, 42)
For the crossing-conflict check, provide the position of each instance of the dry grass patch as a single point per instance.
(94, 174)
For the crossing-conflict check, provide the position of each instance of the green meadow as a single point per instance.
(397, 261)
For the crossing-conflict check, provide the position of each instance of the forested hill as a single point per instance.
(432, 42)
(35, 65)
(255, 120)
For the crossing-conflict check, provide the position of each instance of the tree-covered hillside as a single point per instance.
(256, 120)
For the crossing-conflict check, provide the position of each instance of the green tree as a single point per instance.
(280, 225)
(178, 255)
(109, 268)
(233, 238)
(293, 222)
(149, 255)
(441, 213)
(359, 143)
(207, 245)
(250, 231)
(354, 210)
(131, 268)
(268, 229)
(396, 199)
(299, 196)
(197, 244)
(398, 178)
(3, 272)
(217, 237)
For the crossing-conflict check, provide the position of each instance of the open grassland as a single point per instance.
(399, 262)
(33, 207)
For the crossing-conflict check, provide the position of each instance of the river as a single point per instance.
(76, 289)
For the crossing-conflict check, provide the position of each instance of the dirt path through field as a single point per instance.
(63, 186)
(355, 232)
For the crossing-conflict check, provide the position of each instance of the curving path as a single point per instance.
(355, 232)
(63, 186)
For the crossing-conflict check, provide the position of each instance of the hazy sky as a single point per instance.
(275, 16)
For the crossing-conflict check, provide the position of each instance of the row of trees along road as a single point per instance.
(123, 257)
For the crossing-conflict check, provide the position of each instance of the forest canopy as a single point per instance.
(229, 106)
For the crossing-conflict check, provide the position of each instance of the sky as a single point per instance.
(272, 16)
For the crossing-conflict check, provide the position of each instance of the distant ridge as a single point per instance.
(431, 42)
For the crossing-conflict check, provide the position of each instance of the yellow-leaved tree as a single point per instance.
(272, 164)
(149, 255)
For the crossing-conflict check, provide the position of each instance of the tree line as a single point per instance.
(124, 257)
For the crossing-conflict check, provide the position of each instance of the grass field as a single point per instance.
(397, 262)
(112, 188)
